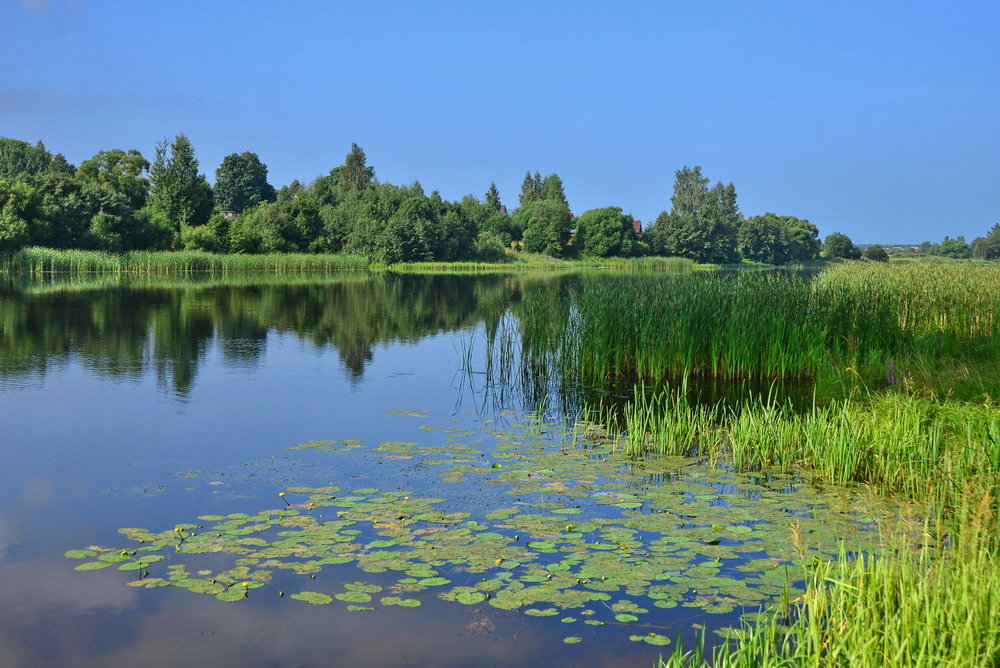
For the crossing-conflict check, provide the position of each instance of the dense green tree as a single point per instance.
(955, 248)
(291, 191)
(722, 215)
(605, 232)
(690, 192)
(762, 239)
(492, 198)
(22, 218)
(212, 237)
(179, 193)
(702, 224)
(778, 239)
(531, 189)
(838, 245)
(120, 171)
(875, 253)
(355, 176)
(278, 227)
(988, 247)
(69, 205)
(552, 189)
(802, 238)
(241, 182)
(544, 226)
(61, 165)
(488, 217)
(338, 222)
(21, 158)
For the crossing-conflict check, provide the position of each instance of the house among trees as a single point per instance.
(637, 226)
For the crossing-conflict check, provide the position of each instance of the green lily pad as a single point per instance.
(232, 595)
(353, 597)
(91, 565)
(541, 612)
(402, 602)
(79, 554)
(314, 597)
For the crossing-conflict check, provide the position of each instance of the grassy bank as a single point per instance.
(37, 260)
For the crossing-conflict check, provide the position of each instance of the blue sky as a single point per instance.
(877, 119)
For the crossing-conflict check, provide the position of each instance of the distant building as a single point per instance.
(637, 226)
(228, 214)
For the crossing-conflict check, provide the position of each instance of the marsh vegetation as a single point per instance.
(608, 462)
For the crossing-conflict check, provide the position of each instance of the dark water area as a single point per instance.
(145, 403)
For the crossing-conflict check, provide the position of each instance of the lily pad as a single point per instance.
(314, 597)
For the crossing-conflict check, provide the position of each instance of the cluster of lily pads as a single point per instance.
(582, 533)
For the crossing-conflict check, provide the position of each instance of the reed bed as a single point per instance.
(856, 325)
(927, 597)
(38, 261)
(895, 443)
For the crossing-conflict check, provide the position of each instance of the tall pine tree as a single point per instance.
(179, 193)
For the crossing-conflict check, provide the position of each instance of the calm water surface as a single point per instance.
(146, 404)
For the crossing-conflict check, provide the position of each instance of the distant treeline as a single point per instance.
(118, 201)
(982, 248)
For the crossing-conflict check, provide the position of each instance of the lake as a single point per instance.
(357, 469)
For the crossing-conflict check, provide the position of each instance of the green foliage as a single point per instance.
(277, 227)
(490, 247)
(988, 247)
(552, 189)
(875, 253)
(69, 204)
(544, 226)
(291, 191)
(534, 188)
(355, 176)
(776, 239)
(492, 198)
(22, 219)
(702, 225)
(954, 248)
(839, 245)
(606, 232)
(119, 171)
(922, 601)
(179, 192)
(213, 237)
(19, 158)
(531, 189)
(241, 182)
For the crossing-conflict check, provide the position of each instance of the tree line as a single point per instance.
(119, 201)
(986, 247)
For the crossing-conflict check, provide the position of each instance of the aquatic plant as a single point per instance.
(36, 260)
(924, 603)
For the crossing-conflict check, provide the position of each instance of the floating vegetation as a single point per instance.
(570, 525)
(328, 446)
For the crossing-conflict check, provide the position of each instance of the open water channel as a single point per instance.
(329, 471)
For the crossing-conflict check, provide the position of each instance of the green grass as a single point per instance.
(926, 598)
(37, 261)
(857, 326)
(893, 442)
